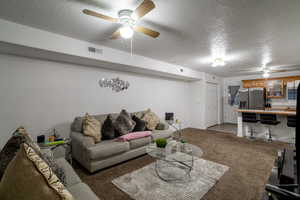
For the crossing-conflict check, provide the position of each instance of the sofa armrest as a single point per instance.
(80, 146)
(81, 139)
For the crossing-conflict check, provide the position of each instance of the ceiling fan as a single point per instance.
(128, 19)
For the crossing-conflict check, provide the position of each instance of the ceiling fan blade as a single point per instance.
(147, 31)
(278, 70)
(115, 35)
(144, 8)
(95, 14)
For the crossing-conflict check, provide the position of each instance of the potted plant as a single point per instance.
(161, 142)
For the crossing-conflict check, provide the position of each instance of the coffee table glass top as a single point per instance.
(175, 151)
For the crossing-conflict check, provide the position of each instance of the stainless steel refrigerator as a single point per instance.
(253, 98)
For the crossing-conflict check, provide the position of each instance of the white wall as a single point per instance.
(43, 44)
(229, 113)
(41, 95)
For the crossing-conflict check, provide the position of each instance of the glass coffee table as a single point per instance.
(175, 162)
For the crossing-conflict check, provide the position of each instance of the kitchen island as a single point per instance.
(280, 132)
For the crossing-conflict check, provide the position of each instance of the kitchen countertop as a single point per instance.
(269, 111)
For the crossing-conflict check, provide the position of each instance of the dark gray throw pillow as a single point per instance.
(140, 124)
(124, 124)
(108, 129)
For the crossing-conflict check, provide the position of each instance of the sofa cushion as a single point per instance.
(140, 125)
(81, 191)
(162, 134)
(27, 167)
(139, 142)
(152, 119)
(92, 127)
(124, 124)
(106, 149)
(71, 177)
(108, 129)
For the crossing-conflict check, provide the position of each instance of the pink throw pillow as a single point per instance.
(134, 135)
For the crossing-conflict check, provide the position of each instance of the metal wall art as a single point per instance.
(116, 84)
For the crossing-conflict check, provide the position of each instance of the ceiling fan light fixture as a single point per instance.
(126, 32)
(218, 62)
(266, 74)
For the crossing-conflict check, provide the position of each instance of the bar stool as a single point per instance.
(291, 121)
(269, 120)
(250, 119)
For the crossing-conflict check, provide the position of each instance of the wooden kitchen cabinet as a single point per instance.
(254, 83)
(275, 89)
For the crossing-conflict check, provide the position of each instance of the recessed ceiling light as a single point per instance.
(218, 62)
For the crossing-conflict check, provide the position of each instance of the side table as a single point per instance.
(59, 150)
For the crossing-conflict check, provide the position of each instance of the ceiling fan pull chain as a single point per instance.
(131, 46)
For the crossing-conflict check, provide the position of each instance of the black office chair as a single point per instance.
(269, 120)
(291, 121)
(277, 193)
(250, 118)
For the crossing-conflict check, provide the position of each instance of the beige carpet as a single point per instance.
(250, 165)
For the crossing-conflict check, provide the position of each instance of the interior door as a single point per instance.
(211, 105)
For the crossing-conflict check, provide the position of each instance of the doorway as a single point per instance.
(212, 108)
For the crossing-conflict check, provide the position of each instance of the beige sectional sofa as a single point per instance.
(110, 152)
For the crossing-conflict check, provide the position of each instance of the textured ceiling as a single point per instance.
(247, 33)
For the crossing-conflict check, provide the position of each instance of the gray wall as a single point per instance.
(41, 95)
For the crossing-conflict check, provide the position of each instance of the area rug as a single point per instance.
(143, 184)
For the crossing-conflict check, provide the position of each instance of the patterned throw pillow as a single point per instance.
(124, 124)
(152, 119)
(140, 124)
(12, 146)
(35, 179)
(59, 172)
(92, 127)
(108, 129)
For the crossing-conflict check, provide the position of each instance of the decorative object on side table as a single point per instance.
(59, 147)
(177, 126)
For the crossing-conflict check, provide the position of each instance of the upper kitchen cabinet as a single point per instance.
(275, 89)
(254, 83)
